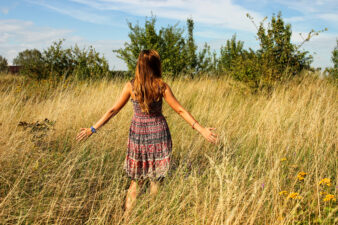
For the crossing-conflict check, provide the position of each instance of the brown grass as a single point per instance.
(46, 177)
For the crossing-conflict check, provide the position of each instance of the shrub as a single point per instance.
(178, 55)
(32, 63)
(277, 53)
(3, 65)
(230, 53)
(276, 60)
(167, 41)
(58, 63)
(332, 73)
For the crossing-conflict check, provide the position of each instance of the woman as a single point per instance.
(149, 141)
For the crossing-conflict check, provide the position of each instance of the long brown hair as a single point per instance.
(148, 84)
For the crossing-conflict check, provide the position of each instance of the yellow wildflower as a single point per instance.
(326, 181)
(283, 193)
(329, 198)
(301, 175)
(283, 159)
(323, 193)
(294, 195)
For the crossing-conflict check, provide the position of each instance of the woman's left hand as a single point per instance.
(209, 135)
(85, 133)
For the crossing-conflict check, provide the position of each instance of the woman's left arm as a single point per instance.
(86, 132)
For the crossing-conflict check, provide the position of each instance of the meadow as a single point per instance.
(276, 161)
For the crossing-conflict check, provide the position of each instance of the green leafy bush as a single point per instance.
(32, 63)
(230, 53)
(59, 63)
(178, 55)
(332, 73)
(3, 65)
(276, 60)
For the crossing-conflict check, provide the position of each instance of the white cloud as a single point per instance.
(332, 17)
(4, 10)
(209, 34)
(310, 6)
(222, 13)
(319, 46)
(18, 35)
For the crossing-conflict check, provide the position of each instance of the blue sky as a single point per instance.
(27, 24)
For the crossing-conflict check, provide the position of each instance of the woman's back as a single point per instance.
(155, 108)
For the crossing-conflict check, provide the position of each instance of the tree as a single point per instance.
(276, 60)
(230, 53)
(75, 62)
(88, 63)
(31, 63)
(277, 53)
(58, 62)
(334, 56)
(167, 41)
(3, 65)
(191, 47)
(332, 73)
(206, 61)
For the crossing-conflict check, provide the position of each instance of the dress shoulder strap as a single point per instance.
(132, 83)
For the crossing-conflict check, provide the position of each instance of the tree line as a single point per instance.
(277, 58)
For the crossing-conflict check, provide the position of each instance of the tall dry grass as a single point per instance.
(265, 141)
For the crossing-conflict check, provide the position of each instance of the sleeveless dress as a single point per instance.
(149, 143)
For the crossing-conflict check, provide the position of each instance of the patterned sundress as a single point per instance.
(149, 143)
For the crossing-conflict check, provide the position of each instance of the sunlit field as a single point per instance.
(276, 161)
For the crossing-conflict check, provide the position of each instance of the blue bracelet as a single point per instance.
(93, 129)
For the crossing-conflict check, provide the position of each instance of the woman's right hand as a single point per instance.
(84, 134)
(209, 135)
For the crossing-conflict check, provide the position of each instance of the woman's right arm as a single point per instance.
(177, 107)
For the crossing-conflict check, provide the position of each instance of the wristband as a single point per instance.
(193, 125)
(93, 129)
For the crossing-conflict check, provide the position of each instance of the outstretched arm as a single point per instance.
(86, 132)
(177, 107)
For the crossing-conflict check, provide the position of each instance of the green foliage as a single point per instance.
(57, 62)
(31, 62)
(89, 64)
(206, 61)
(246, 67)
(3, 65)
(332, 73)
(167, 41)
(334, 57)
(276, 60)
(178, 55)
(191, 47)
(278, 53)
(230, 53)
